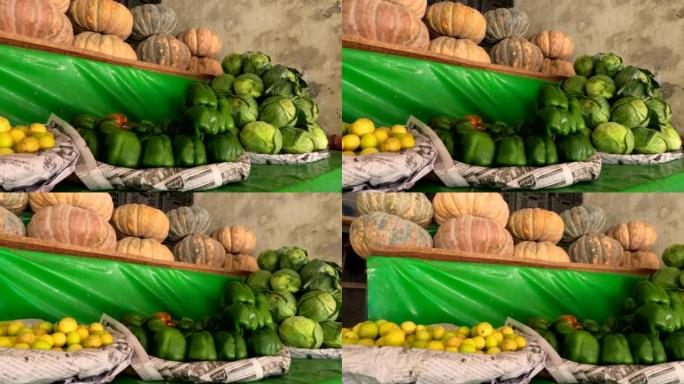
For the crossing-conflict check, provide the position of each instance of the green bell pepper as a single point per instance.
(139, 334)
(615, 350)
(230, 346)
(575, 147)
(441, 123)
(201, 347)
(238, 292)
(477, 148)
(510, 152)
(133, 319)
(200, 94)
(448, 140)
(564, 327)
(226, 121)
(647, 292)
(591, 326)
(264, 342)
(577, 117)
(108, 126)
(652, 318)
(553, 97)
(674, 346)
(157, 152)
(538, 322)
(155, 324)
(186, 324)
(264, 318)
(202, 121)
(189, 151)
(550, 337)
(84, 121)
(223, 85)
(677, 309)
(541, 152)
(462, 127)
(238, 317)
(554, 122)
(147, 128)
(224, 148)
(122, 149)
(581, 347)
(647, 349)
(169, 344)
(92, 141)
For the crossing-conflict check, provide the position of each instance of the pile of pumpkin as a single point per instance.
(481, 225)
(457, 30)
(90, 220)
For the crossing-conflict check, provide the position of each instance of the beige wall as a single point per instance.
(304, 34)
(646, 33)
(312, 221)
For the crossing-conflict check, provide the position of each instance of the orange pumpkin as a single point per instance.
(634, 235)
(100, 203)
(463, 49)
(640, 259)
(558, 67)
(542, 251)
(384, 21)
(109, 45)
(202, 42)
(138, 220)
(416, 7)
(145, 249)
(535, 224)
(104, 16)
(241, 263)
(554, 44)
(39, 19)
(72, 225)
(236, 239)
(474, 235)
(205, 65)
(489, 205)
(448, 18)
(414, 207)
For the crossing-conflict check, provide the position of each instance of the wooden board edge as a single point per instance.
(436, 254)
(51, 247)
(362, 44)
(347, 220)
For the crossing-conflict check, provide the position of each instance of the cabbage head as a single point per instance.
(256, 62)
(332, 334)
(297, 141)
(613, 138)
(308, 108)
(300, 332)
(278, 111)
(223, 85)
(608, 64)
(286, 280)
(293, 257)
(600, 86)
(674, 141)
(259, 281)
(649, 141)
(261, 137)
(584, 65)
(630, 112)
(320, 139)
(660, 112)
(248, 84)
(281, 304)
(595, 111)
(317, 305)
(232, 64)
(630, 74)
(574, 86)
(244, 109)
(320, 275)
(268, 260)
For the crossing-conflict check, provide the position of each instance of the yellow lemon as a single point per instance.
(409, 327)
(380, 342)
(369, 151)
(479, 342)
(508, 345)
(74, 347)
(420, 328)
(423, 335)
(453, 341)
(467, 348)
(368, 330)
(73, 337)
(411, 339)
(395, 338)
(348, 153)
(380, 322)
(469, 341)
(493, 351)
(22, 346)
(420, 344)
(37, 129)
(93, 341)
(483, 329)
(83, 332)
(5, 125)
(40, 332)
(449, 335)
(465, 331)
(387, 328)
(511, 336)
(28, 145)
(6, 151)
(355, 328)
(498, 335)
(59, 339)
(46, 325)
(382, 129)
(106, 338)
(41, 345)
(94, 327)
(366, 342)
(22, 128)
(5, 342)
(3, 330)
(46, 142)
(506, 330)
(14, 327)
(491, 341)
(347, 341)
(397, 130)
(28, 338)
(57, 349)
(407, 141)
(391, 145)
(350, 142)
(48, 339)
(345, 128)
(369, 141)
(521, 342)
(435, 345)
(6, 140)
(380, 136)
(450, 349)
(349, 334)
(17, 134)
(362, 126)
(25, 330)
(438, 332)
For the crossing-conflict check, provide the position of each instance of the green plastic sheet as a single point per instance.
(433, 292)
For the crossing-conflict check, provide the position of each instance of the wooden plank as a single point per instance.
(350, 285)
(42, 45)
(466, 257)
(51, 247)
(347, 220)
(359, 43)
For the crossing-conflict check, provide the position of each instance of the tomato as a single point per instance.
(120, 119)
(476, 121)
(570, 319)
(163, 316)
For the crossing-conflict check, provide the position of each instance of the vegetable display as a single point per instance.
(66, 335)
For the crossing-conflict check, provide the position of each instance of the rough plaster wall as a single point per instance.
(304, 34)
(312, 221)
(662, 210)
(646, 33)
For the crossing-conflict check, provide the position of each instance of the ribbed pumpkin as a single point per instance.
(151, 19)
(100, 203)
(205, 65)
(456, 20)
(640, 259)
(10, 224)
(542, 251)
(554, 44)
(380, 229)
(202, 42)
(474, 234)
(241, 263)
(186, 221)
(144, 248)
(15, 202)
(138, 220)
(68, 224)
(409, 206)
(517, 53)
(61, 5)
(416, 7)
(65, 35)
(596, 249)
(459, 48)
(236, 239)
(488, 205)
(506, 22)
(39, 19)
(105, 44)
(536, 224)
(201, 250)
(579, 221)
(104, 16)
(164, 50)
(634, 235)
(384, 21)
(558, 67)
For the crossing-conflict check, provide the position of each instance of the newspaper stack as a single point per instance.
(609, 158)
(315, 354)
(289, 159)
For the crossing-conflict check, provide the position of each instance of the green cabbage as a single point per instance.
(300, 332)
(600, 86)
(259, 281)
(308, 108)
(320, 275)
(248, 84)
(318, 306)
(613, 138)
(293, 257)
(244, 109)
(256, 62)
(660, 112)
(332, 334)
(286, 280)
(608, 64)
(282, 304)
(674, 141)
(320, 139)
(574, 86)
(223, 85)
(630, 74)
(667, 278)
(673, 256)
(338, 297)
(232, 64)
(649, 141)
(595, 111)
(584, 65)
(261, 137)
(297, 141)
(278, 111)
(280, 72)
(630, 112)
(268, 260)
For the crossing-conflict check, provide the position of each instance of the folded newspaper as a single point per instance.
(86, 366)
(315, 354)
(150, 368)
(288, 159)
(609, 158)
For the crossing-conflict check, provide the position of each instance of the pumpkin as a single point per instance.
(205, 65)
(416, 7)
(543, 251)
(558, 67)
(61, 5)
(579, 221)
(10, 224)
(138, 220)
(186, 221)
(380, 229)
(517, 53)
(384, 21)
(202, 42)
(164, 50)
(150, 19)
(459, 48)
(241, 263)
(104, 16)
(474, 234)
(236, 239)
(144, 248)
(456, 20)
(14, 202)
(109, 45)
(409, 206)
(100, 203)
(130, 4)
(506, 22)
(39, 19)
(536, 224)
(201, 250)
(634, 235)
(640, 259)
(554, 44)
(597, 249)
(489, 205)
(69, 224)
(65, 35)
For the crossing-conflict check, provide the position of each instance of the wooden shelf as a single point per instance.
(37, 245)
(350, 285)
(354, 42)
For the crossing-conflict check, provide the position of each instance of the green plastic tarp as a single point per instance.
(432, 292)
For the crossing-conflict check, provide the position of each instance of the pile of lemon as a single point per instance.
(22, 139)
(65, 335)
(363, 138)
(482, 338)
